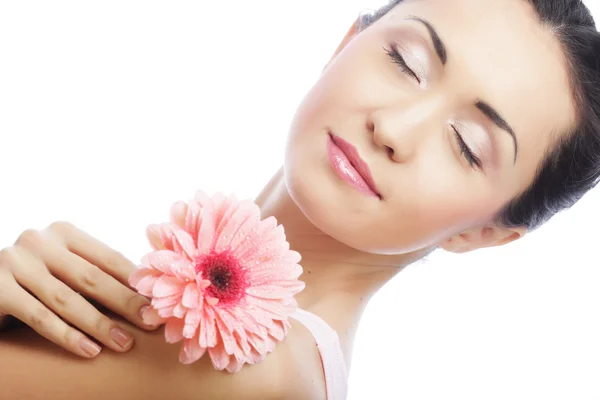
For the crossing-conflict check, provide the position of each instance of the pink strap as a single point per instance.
(332, 358)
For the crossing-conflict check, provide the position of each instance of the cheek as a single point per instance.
(359, 79)
(434, 198)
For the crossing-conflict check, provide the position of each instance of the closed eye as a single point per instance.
(398, 59)
(465, 151)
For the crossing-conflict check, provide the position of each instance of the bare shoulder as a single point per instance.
(151, 371)
(303, 377)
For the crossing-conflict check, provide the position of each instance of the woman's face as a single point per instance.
(451, 105)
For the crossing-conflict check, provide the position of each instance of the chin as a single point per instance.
(333, 206)
(357, 229)
(320, 200)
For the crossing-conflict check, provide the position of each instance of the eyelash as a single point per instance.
(465, 151)
(398, 59)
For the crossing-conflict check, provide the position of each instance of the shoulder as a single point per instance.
(292, 372)
(303, 372)
(151, 370)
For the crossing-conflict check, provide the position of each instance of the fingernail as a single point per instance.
(90, 348)
(142, 311)
(120, 337)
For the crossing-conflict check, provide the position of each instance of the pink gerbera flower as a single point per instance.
(222, 280)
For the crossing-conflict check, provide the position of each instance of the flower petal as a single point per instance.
(202, 332)
(179, 311)
(277, 330)
(167, 286)
(224, 207)
(162, 260)
(242, 340)
(271, 252)
(273, 291)
(268, 274)
(277, 289)
(239, 354)
(166, 312)
(226, 334)
(191, 296)
(212, 301)
(192, 322)
(145, 286)
(206, 233)
(251, 324)
(178, 214)
(246, 213)
(193, 220)
(294, 286)
(254, 238)
(165, 302)
(257, 343)
(174, 330)
(219, 357)
(150, 317)
(153, 233)
(182, 241)
(232, 323)
(201, 198)
(184, 270)
(268, 234)
(242, 239)
(271, 309)
(191, 351)
(210, 330)
(234, 366)
(138, 275)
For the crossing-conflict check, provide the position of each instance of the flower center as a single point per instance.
(228, 280)
(220, 276)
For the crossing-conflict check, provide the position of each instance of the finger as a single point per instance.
(32, 312)
(94, 283)
(74, 309)
(94, 251)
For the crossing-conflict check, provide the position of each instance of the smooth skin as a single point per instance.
(404, 124)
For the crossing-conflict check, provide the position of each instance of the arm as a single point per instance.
(33, 368)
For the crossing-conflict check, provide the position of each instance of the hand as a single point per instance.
(44, 277)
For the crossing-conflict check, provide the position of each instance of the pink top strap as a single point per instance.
(332, 358)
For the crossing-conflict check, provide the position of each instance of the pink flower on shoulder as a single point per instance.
(222, 281)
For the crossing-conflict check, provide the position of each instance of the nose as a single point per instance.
(401, 128)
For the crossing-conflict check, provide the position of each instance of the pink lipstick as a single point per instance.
(348, 165)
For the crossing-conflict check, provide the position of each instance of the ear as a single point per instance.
(347, 38)
(481, 237)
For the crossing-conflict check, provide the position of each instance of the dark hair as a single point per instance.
(572, 166)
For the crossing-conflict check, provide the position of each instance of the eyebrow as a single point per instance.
(484, 107)
(438, 45)
(493, 115)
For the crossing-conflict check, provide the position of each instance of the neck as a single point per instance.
(340, 280)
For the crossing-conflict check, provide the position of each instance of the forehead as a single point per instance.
(499, 52)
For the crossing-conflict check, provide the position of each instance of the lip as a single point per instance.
(364, 181)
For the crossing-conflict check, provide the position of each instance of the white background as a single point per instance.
(111, 110)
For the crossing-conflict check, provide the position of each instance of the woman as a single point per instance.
(456, 140)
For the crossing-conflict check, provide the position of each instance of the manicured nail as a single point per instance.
(121, 338)
(142, 311)
(90, 348)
